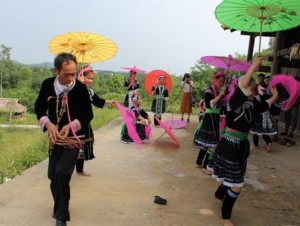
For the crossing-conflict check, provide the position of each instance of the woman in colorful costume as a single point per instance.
(207, 133)
(131, 86)
(160, 99)
(289, 100)
(141, 118)
(230, 159)
(263, 124)
(86, 76)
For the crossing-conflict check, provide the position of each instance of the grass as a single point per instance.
(27, 119)
(104, 116)
(22, 148)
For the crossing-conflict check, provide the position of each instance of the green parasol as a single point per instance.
(259, 15)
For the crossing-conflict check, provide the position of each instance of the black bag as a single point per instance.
(192, 100)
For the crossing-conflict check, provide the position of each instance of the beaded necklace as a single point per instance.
(62, 92)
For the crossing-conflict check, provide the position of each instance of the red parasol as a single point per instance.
(129, 120)
(227, 63)
(134, 68)
(168, 130)
(151, 80)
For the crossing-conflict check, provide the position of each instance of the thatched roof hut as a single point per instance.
(13, 106)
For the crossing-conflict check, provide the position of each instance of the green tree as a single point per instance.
(116, 83)
(4, 61)
(38, 76)
(201, 74)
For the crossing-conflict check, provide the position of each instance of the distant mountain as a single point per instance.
(47, 64)
(50, 65)
(108, 72)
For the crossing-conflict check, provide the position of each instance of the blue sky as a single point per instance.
(151, 34)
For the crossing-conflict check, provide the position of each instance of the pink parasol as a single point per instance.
(168, 130)
(134, 68)
(175, 124)
(292, 87)
(148, 131)
(130, 121)
(227, 63)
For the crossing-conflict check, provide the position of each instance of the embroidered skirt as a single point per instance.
(230, 161)
(162, 107)
(207, 133)
(88, 147)
(140, 129)
(263, 125)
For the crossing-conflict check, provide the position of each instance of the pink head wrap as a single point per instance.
(82, 71)
(200, 105)
(216, 75)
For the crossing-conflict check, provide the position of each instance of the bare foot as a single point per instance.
(84, 174)
(198, 166)
(269, 148)
(206, 171)
(227, 222)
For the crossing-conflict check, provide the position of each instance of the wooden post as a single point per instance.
(278, 46)
(251, 47)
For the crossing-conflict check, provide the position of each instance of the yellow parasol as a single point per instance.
(87, 47)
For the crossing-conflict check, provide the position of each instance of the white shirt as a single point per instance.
(186, 87)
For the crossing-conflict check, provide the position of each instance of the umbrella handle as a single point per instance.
(260, 34)
(158, 138)
(261, 20)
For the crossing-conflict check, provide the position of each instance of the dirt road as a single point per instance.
(125, 180)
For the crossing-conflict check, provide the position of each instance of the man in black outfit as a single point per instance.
(63, 108)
